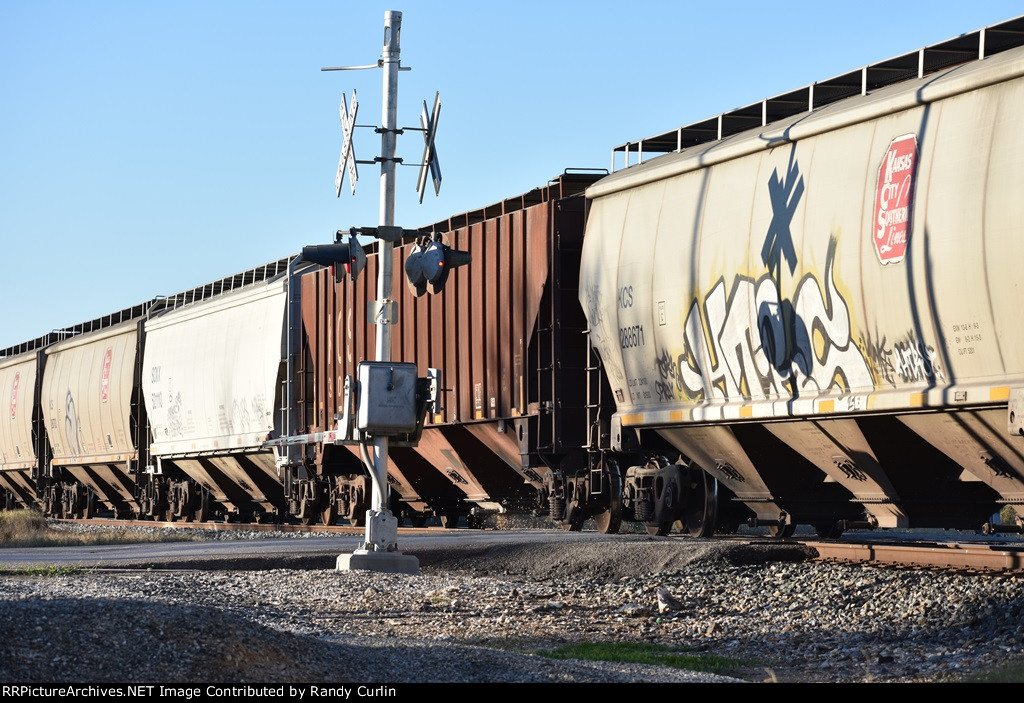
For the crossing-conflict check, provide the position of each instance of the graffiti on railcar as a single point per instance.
(72, 426)
(175, 427)
(14, 395)
(908, 360)
(595, 318)
(248, 415)
(785, 196)
(748, 342)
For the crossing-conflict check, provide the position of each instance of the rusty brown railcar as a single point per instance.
(507, 334)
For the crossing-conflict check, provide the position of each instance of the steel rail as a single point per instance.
(981, 558)
(239, 526)
(956, 556)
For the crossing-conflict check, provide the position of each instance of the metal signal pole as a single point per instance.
(392, 400)
(379, 552)
(391, 59)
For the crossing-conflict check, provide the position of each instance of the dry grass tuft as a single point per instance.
(27, 528)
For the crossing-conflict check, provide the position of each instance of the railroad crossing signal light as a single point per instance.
(430, 262)
(414, 271)
(347, 258)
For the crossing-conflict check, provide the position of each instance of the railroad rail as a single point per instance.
(994, 558)
(988, 558)
(221, 526)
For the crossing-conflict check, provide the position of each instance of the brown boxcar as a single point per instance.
(507, 334)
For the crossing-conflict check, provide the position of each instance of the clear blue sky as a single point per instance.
(147, 147)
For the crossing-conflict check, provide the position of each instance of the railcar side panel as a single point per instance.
(481, 331)
(18, 455)
(857, 260)
(762, 286)
(211, 376)
(17, 387)
(87, 393)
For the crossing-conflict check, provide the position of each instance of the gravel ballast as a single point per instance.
(481, 614)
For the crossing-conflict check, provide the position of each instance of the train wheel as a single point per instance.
(782, 531)
(185, 503)
(418, 520)
(329, 515)
(89, 506)
(701, 507)
(727, 528)
(658, 529)
(356, 514)
(204, 511)
(609, 521)
(830, 530)
(574, 525)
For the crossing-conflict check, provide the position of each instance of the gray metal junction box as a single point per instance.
(387, 398)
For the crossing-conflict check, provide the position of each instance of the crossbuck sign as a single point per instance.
(348, 151)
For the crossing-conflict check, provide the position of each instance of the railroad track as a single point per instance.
(995, 558)
(974, 557)
(221, 526)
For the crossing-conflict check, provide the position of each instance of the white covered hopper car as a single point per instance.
(820, 313)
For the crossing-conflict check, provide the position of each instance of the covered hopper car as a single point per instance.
(174, 409)
(803, 312)
(820, 313)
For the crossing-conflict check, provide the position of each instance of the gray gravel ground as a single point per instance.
(480, 614)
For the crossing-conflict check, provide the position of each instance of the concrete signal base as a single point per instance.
(380, 561)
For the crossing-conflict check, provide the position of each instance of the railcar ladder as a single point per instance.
(595, 437)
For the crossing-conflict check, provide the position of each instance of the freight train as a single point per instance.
(800, 312)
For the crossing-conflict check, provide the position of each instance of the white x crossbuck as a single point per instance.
(348, 150)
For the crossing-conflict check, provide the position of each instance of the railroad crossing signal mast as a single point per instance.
(391, 399)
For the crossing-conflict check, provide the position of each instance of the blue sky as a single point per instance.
(148, 147)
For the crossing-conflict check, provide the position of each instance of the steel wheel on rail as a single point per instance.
(186, 508)
(356, 514)
(658, 529)
(727, 527)
(358, 504)
(700, 508)
(831, 530)
(204, 511)
(782, 531)
(329, 515)
(609, 520)
(307, 512)
(575, 512)
(89, 505)
(573, 525)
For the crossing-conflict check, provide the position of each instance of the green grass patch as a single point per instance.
(52, 570)
(27, 528)
(644, 653)
(1008, 673)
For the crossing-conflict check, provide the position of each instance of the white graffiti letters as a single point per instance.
(752, 343)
